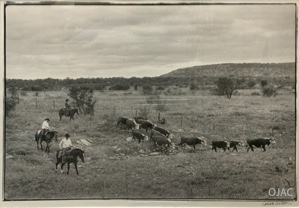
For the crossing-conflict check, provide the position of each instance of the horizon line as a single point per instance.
(291, 62)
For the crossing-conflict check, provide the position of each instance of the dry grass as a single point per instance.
(115, 168)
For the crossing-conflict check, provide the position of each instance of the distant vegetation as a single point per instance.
(237, 70)
(245, 76)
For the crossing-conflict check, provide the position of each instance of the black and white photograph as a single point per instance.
(155, 101)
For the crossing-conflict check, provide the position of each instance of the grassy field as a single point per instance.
(115, 168)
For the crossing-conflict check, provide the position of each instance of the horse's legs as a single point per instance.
(47, 148)
(57, 164)
(68, 168)
(61, 167)
(76, 168)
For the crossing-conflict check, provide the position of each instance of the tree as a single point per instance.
(225, 86)
(194, 86)
(83, 99)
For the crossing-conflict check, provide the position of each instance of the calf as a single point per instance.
(131, 124)
(192, 141)
(260, 142)
(161, 141)
(121, 120)
(162, 131)
(139, 136)
(145, 124)
(219, 144)
(234, 144)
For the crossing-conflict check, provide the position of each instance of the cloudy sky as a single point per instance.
(125, 41)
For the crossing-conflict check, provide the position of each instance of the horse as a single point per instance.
(70, 114)
(47, 138)
(71, 157)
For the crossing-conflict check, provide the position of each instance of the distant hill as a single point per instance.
(270, 70)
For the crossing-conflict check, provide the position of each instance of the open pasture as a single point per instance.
(115, 168)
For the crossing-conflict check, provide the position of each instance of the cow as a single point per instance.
(192, 141)
(220, 144)
(163, 131)
(234, 144)
(161, 141)
(260, 142)
(131, 124)
(145, 124)
(154, 133)
(138, 119)
(139, 136)
(121, 120)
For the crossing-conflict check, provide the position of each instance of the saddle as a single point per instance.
(67, 111)
(67, 153)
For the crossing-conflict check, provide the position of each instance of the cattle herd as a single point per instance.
(162, 137)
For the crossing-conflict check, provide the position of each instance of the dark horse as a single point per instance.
(70, 114)
(71, 157)
(48, 138)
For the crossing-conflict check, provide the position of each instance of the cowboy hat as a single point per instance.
(47, 119)
(67, 135)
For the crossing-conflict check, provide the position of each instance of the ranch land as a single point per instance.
(117, 168)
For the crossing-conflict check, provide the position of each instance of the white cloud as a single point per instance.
(77, 41)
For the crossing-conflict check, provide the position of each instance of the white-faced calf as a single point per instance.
(220, 144)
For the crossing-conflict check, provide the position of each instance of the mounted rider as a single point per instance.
(65, 146)
(45, 128)
(67, 107)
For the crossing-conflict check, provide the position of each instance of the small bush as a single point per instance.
(147, 89)
(123, 87)
(251, 84)
(128, 93)
(23, 93)
(10, 104)
(269, 91)
(264, 83)
(160, 88)
(236, 93)
(36, 88)
(144, 112)
(255, 93)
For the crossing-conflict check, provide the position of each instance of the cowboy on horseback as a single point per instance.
(45, 128)
(65, 146)
(67, 107)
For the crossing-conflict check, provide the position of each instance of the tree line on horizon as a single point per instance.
(120, 83)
